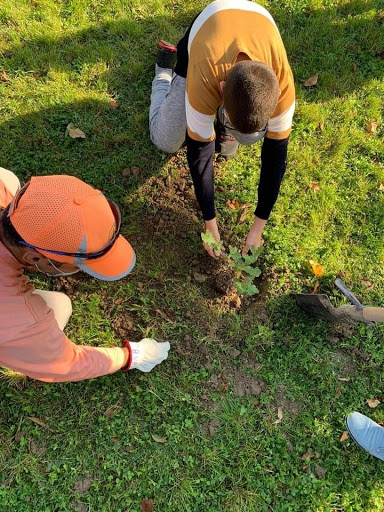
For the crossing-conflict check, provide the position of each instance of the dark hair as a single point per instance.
(11, 236)
(250, 95)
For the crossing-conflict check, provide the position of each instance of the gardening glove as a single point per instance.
(147, 353)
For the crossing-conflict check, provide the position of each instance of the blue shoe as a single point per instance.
(367, 434)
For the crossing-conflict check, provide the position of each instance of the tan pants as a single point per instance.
(57, 301)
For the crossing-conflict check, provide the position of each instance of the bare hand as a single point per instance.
(211, 225)
(254, 235)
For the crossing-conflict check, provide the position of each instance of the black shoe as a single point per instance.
(225, 144)
(166, 55)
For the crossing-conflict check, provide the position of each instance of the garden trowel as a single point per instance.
(319, 305)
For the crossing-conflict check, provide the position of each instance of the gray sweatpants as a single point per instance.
(167, 119)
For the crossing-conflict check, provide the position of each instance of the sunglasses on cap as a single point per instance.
(84, 255)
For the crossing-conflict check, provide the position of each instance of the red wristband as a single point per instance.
(127, 345)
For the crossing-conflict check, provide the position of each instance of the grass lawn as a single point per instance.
(199, 433)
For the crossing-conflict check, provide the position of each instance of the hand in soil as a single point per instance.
(214, 248)
(254, 235)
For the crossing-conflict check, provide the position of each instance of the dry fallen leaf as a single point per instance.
(368, 284)
(40, 422)
(373, 402)
(3, 76)
(312, 80)
(307, 455)
(352, 47)
(136, 171)
(159, 439)
(109, 412)
(233, 204)
(314, 186)
(344, 436)
(75, 133)
(114, 104)
(316, 287)
(125, 172)
(279, 416)
(372, 126)
(320, 472)
(146, 506)
(338, 393)
(320, 125)
(343, 379)
(317, 269)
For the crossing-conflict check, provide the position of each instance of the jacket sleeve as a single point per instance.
(200, 160)
(273, 165)
(43, 352)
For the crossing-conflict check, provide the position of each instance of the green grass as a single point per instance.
(64, 61)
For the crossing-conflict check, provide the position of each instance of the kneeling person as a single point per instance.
(232, 82)
(59, 225)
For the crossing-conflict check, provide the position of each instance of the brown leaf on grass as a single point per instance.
(161, 440)
(353, 68)
(317, 269)
(233, 204)
(320, 126)
(372, 126)
(279, 416)
(109, 412)
(368, 285)
(83, 485)
(146, 506)
(136, 171)
(352, 47)
(114, 104)
(373, 402)
(75, 133)
(316, 287)
(344, 436)
(320, 472)
(311, 80)
(338, 393)
(314, 186)
(40, 422)
(343, 379)
(3, 76)
(307, 455)
(125, 172)
(118, 301)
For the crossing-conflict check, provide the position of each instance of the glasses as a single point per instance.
(84, 255)
(228, 126)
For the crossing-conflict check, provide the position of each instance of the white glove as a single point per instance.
(147, 353)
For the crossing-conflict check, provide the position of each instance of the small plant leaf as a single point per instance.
(254, 272)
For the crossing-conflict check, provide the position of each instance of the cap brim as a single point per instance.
(117, 263)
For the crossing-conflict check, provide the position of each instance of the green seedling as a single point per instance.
(243, 265)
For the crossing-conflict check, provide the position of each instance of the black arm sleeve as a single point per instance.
(200, 160)
(273, 164)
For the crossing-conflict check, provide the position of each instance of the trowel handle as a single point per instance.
(371, 314)
(347, 292)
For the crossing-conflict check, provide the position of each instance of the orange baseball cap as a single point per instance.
(67, 220)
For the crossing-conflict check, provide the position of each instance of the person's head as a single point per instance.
(62, 225)
(250, 96)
